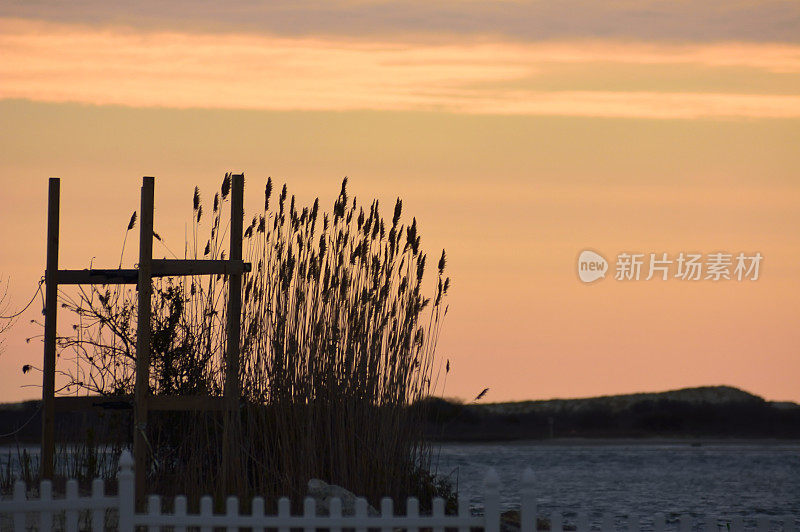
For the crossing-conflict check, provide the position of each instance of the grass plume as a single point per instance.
(337, 341)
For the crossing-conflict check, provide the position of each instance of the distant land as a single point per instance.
(710, 412)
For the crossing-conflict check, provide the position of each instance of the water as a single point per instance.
(723, 480)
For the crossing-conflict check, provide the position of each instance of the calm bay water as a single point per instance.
(719, 479)
(727, 479)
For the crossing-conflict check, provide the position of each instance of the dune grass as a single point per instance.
(338, 339)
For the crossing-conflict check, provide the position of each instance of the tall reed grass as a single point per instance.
(338, 340)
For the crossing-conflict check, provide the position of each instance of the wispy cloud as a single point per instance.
(58, 62)
(526, 20)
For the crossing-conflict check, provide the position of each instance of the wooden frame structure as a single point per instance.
(142, 401)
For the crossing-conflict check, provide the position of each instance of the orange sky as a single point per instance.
(515, 152)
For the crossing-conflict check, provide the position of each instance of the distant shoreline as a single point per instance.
(719, 414)
(569, 442)
(710, 415)
(689, 442)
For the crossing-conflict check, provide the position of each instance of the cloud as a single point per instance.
(706, 21)
(58, 62)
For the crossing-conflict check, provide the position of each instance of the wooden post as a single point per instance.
(145, 288)
(230, 462)
(51, 311)
(234, 295)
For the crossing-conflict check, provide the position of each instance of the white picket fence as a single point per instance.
(98, 512)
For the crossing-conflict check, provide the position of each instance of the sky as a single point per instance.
(517, 133)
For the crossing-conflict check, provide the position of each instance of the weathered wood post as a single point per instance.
(51, 311)
(145, 287)
(232, 390)
(234, 295)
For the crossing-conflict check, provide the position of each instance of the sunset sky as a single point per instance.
(518, 133)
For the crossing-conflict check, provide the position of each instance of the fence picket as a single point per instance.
(412, 510)
(46, 496)
(98, 512)
(309, 511)
(607, 522)
(634, 523)
(19, 498)
(737, 524)
(387, 512)
(582, 522)
(232, 512)
(180, 512)
(206, 512)
(438, 511)
(284, 511)
(336, 512)
(556, 524)
(527, 510)
(658, 522)
(71, 496)
(153, 510)
(788, 524)
(463, 511)
(257, 511)
(491, 501)
(127, 501)
(685, 523)
(361, 514)
(762, 523)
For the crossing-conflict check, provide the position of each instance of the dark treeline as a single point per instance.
(22, 423)
(710, 412)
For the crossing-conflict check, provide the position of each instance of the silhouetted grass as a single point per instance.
(337, 340)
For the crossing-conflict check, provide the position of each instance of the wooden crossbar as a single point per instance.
(160, 268)
(92, 402)
(154, 403)
(183, 403)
